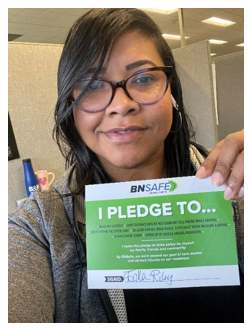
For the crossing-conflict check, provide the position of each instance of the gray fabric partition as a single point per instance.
(230, 93)
(194, 68)
(32, 96)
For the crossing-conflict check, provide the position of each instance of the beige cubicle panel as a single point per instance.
(31, 100)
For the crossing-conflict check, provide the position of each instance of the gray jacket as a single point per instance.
(47, 263)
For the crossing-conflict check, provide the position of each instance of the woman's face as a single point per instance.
(127, 136)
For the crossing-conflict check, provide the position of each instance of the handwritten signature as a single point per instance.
(152, 276)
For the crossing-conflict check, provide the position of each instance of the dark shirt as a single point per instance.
(221, 304)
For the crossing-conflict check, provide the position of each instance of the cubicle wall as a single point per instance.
(32, 96)
(194, 68)
(230, 92)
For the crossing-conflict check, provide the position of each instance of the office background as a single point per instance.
(213, 86)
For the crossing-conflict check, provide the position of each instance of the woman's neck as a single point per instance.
(153, 171)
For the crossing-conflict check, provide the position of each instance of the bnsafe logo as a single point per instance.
(162, 187)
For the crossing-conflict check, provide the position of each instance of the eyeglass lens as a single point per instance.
(143, 88)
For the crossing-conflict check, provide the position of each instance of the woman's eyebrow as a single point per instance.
(139, 63)
(128, 67)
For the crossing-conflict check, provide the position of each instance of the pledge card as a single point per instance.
(163, 233)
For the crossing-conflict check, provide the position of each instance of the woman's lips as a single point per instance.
(127, 134)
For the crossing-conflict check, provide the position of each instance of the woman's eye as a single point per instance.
(95, 86)
(144, 79)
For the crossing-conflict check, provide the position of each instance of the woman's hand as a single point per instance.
(225, 163)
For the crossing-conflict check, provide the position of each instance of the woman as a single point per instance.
(119, 117)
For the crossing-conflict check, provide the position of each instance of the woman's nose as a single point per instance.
(122, 104)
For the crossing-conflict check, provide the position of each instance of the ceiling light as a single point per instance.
(166, 11)
(212, 54)
(240, 45)
(217, 42)
(218, 21)
(172, 36)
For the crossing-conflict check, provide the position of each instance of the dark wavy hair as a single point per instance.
(91, 39)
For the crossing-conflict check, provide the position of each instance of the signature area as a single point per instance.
(152, 276)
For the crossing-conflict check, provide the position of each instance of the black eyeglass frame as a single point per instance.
(122, 84)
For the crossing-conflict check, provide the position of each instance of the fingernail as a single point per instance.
(228, 193)
(216, 179)
(241, 192)
(200, 172)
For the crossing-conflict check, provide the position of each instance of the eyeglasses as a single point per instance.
(145, 87)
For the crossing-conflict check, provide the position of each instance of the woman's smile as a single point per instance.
(125, 135)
